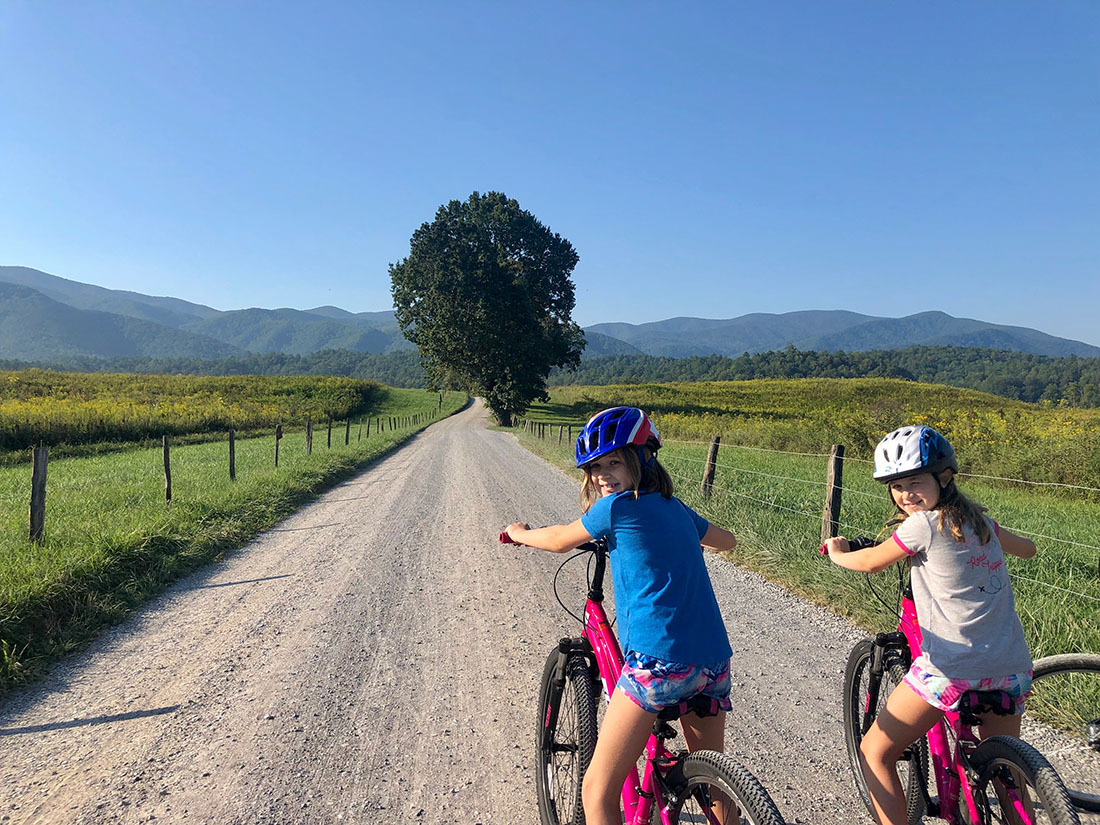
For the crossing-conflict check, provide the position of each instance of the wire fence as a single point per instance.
(729, 467)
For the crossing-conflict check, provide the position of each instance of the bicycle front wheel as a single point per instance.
(863, 701)
(1062, 722)
(566, 740)
(711, 787)
(1017, 785)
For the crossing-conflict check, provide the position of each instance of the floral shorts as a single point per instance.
(944, 693)
(655, 684)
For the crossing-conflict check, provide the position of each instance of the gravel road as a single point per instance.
(375, 658)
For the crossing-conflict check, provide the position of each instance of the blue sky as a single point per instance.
(705, 159)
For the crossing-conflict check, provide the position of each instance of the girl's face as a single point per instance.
(913, 494)
(610, 474)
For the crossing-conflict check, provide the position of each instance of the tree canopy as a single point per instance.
(486, 296)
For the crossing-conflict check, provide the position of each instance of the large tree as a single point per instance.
(485, 295)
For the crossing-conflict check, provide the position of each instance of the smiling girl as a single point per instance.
(669, 622)
(971, 636)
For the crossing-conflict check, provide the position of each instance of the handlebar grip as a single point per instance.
(857, 543)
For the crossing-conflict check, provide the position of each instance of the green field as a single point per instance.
(80, 413)
(773, 501)
(111, 541)
(992, 435)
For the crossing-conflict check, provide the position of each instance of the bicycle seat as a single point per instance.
(975, 703)
(699, 703)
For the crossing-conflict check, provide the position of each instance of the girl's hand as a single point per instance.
(838, 544)
(515, 530)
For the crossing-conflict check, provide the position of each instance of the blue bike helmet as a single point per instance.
(614, 429)
(908, 451)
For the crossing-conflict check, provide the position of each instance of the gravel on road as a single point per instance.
(375, 658)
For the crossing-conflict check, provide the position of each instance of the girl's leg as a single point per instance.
(623, 734)
(994, 725)
(704, 733)
(709, 733)
(906, 718)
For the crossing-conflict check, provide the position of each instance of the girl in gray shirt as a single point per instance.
(971, 636)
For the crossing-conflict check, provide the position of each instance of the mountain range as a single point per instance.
(44, 317)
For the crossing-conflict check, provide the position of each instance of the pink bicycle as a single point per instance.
(699, 787)
(1000, 779)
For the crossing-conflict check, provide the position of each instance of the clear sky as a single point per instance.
(704, 159)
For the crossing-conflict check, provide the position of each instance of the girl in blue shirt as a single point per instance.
(670, 626)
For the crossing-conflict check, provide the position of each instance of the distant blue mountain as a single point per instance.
(832, 330)
(44, 316)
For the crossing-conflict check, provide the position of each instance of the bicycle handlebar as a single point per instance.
(504, 538)
(857, 543)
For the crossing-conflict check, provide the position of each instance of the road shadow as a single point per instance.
(94, 720)
(243, 581)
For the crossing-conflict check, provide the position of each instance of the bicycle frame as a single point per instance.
(638, 796)
(949, 766)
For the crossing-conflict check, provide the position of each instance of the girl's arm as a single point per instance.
(1016, 545)
(557, 538)
(717, 538)
(870, 560)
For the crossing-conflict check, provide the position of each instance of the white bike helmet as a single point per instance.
(908, 451)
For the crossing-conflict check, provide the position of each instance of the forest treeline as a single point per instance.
(1017, 375)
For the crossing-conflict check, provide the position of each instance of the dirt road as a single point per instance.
(375, 659)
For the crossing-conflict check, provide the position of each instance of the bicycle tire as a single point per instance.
(858, 713)
(1064, 702)
(698, 775)
(992, 761)
(566, 739)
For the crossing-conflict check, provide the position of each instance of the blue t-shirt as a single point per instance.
(663, 596)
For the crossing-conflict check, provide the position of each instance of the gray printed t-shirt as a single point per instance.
(965, 607)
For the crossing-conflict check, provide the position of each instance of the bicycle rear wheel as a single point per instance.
(565, 740)
(1063, 722)
(863, 701)
(707, 784)
(1014, 777)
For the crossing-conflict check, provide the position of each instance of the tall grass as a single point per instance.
(67, 409)
(992, 435)
(773, 501)
(111, 541)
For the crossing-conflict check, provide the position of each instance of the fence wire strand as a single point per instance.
(849, 491)
(745, 447)
(864, 531)
(753, 472)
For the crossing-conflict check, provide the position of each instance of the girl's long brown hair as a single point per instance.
(651, 479)
(956, 513)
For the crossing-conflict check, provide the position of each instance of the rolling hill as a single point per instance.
(43, 316)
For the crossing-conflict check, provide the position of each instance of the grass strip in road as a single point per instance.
(112, 542)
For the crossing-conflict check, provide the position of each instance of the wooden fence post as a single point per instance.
(360, 438)
(708, 472)
(831, 517)
(368, 426)
(347, 431)
(167, 473)
(330, 432)
(278, 436)
(309, 435)
(232, 456)
(561, 432)
(39, 465)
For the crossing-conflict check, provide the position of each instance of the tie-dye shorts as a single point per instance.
(655, 684)
(944, 693)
